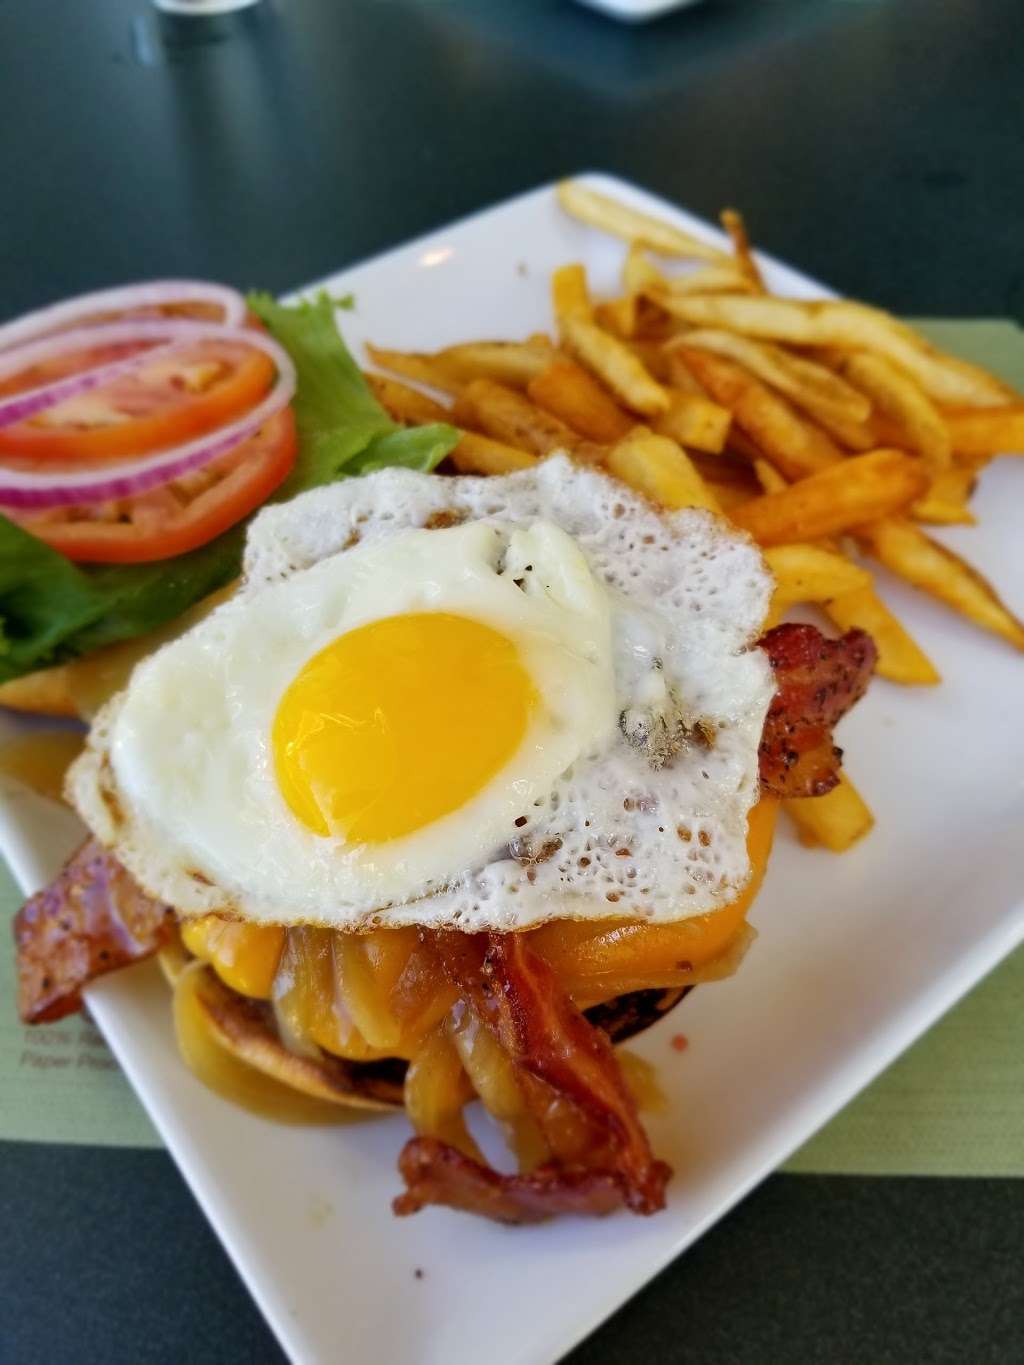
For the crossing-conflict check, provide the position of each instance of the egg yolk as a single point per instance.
(398, 723)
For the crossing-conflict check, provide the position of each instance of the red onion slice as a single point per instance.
(31, 489)
(28, 403)
(158, 294)
(19, 407)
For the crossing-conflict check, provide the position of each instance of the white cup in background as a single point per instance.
(202, 7)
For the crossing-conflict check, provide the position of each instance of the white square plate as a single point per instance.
(856, 957)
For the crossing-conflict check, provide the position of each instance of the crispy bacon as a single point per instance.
(818, 681)
(92, 919)
(559, 1056)
(437, 1173)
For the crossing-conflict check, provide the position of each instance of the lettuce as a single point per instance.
(52, 610)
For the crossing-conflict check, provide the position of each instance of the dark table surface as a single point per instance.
(878, 144)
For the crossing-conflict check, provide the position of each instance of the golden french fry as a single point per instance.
(945, 502)
(812, 573)
(902, 400)
(423, 368)
(812, 387)
(848, 494)
(994, 431)
(572, 394)
(676, 372)
(507, 362)
(655, 360)
(694, 420)
(618, 316)
(907, 551)
(600, 211)
(850, 326)
(639, 272)
(615, 364)
(728, 495)
(794, 445)
(732, 221)
(835, 820)
(405, 404)
(476, 454)
(508, 416)
(640, 276)
(900, 658)
(768, 476)
(570, 297)
(710, 279)
(660, 469)
(888, 432)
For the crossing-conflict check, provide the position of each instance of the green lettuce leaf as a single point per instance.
(52, 610)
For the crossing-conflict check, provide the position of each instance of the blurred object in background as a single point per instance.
(200, 7)
(633, 11)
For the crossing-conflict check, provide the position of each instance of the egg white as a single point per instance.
(627, 617)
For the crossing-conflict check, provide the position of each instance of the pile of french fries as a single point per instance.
(827, 430)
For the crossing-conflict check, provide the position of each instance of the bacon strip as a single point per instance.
(559, 1056)
(91, 920)
(437, 1173)
(818, 681)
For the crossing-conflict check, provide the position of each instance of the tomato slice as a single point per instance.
(179, 515)
(165, 401)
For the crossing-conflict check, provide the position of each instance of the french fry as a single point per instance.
(597, 209)
(709, 279)
(850, 326)
(907, 551)
(900, 657)
(812, 573)
(836, 820)
(812, 387)
(660, 469)
(405, 404)
(639, 273)
(694, 420)
(417, 365)
(476, 454)
(507, 362)
(509, 417)
(850, 493)
(677, 373)
(572, 394)
(994, 431)
(728, 495)
(618, 316)
(734, 225)
(655, 360)
(945, 502)
(570, 296)
(641, 276)
(794, 445)
(768, 476)
(901, 399)
(615, 364)
(888, 432)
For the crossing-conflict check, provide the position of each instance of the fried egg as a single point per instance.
(482, 703)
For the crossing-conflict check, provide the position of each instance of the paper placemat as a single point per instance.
(952, 1105)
